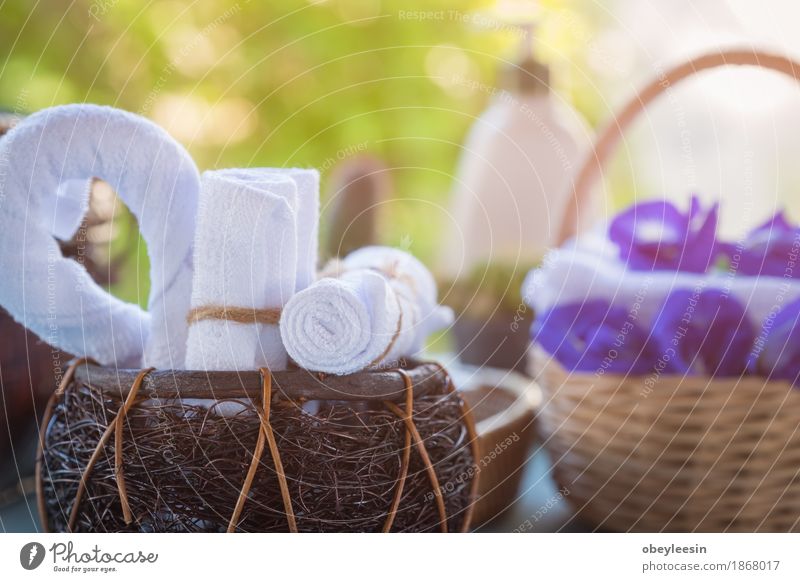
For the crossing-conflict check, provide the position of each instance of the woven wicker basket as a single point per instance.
(697, 454)
(126, 450)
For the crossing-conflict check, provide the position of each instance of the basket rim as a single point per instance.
(526, 392)
(546, 362)
(293, 384)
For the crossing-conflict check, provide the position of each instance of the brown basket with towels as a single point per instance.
(253, 442)
(174, 451)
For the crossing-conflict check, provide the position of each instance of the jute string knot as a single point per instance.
(248, 315)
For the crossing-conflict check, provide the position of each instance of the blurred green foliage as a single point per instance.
(245, 83)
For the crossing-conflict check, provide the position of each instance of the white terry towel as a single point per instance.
(306, 216)
(379, 308)
(411, 279)
(246, 258)
(587, 269)
(72, 204)
(307, 181)
(49, 159)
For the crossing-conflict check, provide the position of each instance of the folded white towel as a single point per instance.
(588, 269)
(307, 181)
(49, 159)
(245, 257)
(379, 308)
(307, 215)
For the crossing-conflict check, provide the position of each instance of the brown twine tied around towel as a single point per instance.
(391, 343)
(265, 432)
(269, 316)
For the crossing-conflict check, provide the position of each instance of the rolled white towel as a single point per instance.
(49, 159)
(378, 309)
(409, 278)
(245, 257)
(341, 325)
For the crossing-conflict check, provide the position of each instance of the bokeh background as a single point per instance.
(293, 83)
(312, 83)
(320, 83)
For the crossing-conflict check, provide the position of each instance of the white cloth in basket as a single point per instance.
(245, 257)
(587, 268)
(306, 215)
(307, 181)
(380, 307)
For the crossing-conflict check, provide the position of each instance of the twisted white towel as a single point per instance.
(72, 204)
(379, 309)
(48, 160)
(245, 257)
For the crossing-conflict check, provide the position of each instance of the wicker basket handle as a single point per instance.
(610, 136)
